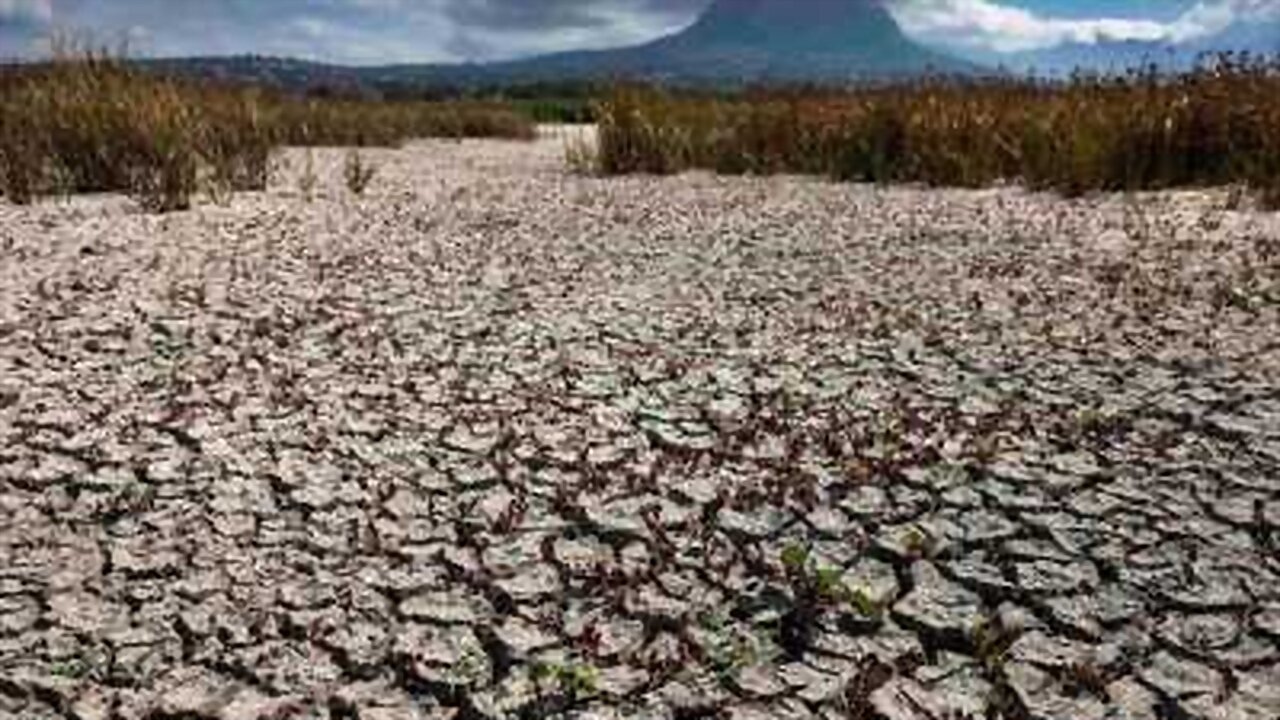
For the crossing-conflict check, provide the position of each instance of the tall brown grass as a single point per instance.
(1217, 125)
(94, 123)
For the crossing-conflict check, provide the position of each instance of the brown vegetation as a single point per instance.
(96, 124)
(1218, 125)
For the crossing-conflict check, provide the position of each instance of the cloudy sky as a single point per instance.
(383, 31)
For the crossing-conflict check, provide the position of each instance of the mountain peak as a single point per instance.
(800, 39)
(811, 26)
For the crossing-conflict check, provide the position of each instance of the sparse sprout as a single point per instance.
(580, 680)
(357, 172)
(70, 669)
(865, 604)
(829, 585)
(794, 557)
(816, 587)
(573, 680)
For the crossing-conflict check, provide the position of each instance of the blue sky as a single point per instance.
(1158, 9)
(382, 31)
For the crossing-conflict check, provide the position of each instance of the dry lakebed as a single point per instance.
(496, 440)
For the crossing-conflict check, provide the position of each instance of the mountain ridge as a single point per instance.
(744, 42)
(732, 41)
(751, 40)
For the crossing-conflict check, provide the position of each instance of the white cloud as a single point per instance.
(607, 25)
(40, 11)
(992, 25)
(312, 27)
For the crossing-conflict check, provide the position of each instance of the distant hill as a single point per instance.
(733, 41)
(272, 71)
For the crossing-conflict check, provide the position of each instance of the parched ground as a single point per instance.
(499, 441)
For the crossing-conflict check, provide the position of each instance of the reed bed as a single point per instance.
(1217, 125)
(94, 123)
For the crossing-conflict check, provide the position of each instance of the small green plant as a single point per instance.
(70, 669)
(829, 585)
(357, 172)
(816, 588)
(572, 680)
(866, 605)
(794, 558)
(824, 584)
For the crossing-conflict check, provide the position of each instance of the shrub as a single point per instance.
(1215, 125)
(92, 123)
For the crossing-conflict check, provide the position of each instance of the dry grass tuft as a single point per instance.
(357, 172)
(1218, 125)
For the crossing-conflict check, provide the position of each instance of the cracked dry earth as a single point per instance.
(498, 441)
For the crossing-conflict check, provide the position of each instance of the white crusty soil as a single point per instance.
(502, 440)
